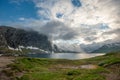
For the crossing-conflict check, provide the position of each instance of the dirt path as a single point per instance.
(4, 61)
(88, 66)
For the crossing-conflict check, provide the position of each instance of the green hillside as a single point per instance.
(105, 67)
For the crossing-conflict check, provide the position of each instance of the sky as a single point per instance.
(65, 21)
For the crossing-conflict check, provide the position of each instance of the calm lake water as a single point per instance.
(71, 56)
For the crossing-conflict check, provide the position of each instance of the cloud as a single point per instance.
(21, 18)
(18, 2)
(114, 32)
(57, 30)
(86, 21)
(90, 38)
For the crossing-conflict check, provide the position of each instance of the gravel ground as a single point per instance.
(4, 61)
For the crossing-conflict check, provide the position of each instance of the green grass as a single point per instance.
(56, 69)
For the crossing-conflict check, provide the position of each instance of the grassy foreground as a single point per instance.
(105, 67)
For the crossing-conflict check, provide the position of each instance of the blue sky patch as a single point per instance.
(104, 26)
(12, 11)
(59, 15)
(76, 3)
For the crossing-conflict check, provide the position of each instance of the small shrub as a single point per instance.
(74, 72)
(8, 72)
(25, 77)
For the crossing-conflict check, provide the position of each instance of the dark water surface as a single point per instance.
(71, 56)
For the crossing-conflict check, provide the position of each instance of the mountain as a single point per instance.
(14, 38)
(113, 47)
(68, 48)
(90, 47)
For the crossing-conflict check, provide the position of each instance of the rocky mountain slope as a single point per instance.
(113, 47)
(12, 37)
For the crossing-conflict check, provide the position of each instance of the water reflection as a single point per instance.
(71, 56)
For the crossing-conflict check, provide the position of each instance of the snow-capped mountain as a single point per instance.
(108, 48)
(13, 38)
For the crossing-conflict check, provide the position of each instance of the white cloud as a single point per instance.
(21, 18)
(85, 24)
(18, 2)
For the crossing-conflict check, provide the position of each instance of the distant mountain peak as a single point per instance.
(111, 47)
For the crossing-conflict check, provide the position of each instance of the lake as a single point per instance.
(71, 56)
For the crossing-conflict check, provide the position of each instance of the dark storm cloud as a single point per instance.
(58, 30)
(91, 38)
(116, 31)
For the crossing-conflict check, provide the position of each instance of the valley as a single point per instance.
(105, 67)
